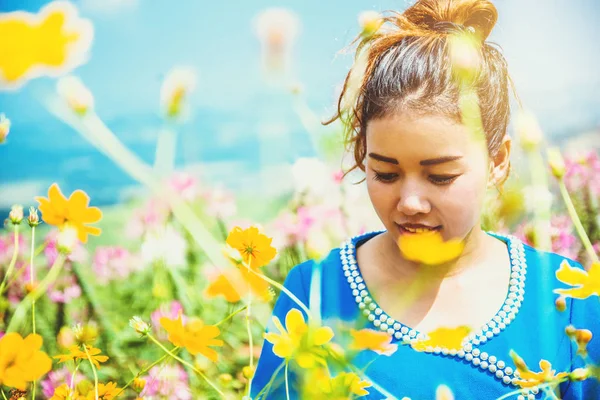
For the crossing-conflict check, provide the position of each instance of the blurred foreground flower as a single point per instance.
(77, 96)
(179, 83)
(445, 338)
(276, 29)
(238, 283)
(529, 378)
(443, 392)
(74, 212)
(529, 131)
(556, 162)
(369, 339)
(194, 336)
(429, 248)
(465, 56)
(254, 247)
(21, 360)
(50, 43)
(56, 378)
(344, 386)
(585, 283)
(15, 216)
(167, 381)
(4, 128)
(298, 340)
(105, 392)
(164, 245)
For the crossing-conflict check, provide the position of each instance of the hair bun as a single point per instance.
(439, 15)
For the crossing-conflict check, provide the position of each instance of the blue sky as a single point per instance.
(552, 48)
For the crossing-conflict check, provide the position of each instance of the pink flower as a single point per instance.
(112, 263)
(338, 177)
(185, 185)
(150, 217)
(56, 378)
(167, 381)
(220, 203)
(64, 290)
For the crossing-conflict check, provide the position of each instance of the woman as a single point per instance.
(428, 164)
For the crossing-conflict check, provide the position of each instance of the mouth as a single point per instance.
(411, 229)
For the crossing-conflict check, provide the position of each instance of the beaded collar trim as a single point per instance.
(468, 352)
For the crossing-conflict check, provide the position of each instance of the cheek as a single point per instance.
(462, 203)
(382, 196)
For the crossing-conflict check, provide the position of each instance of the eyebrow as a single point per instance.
(431, 161)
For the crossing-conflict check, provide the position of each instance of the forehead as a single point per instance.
(405, 135)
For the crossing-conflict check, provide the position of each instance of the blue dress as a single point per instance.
(528, 322)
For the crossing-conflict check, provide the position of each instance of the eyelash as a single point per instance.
(440, 180)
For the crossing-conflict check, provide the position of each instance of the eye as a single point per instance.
(385, 177)
(442, 179)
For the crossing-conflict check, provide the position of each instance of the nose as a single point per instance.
(413, 202)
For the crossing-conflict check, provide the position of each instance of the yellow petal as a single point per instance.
(294, 322)
(429, 248)
(571, 275)
(323, 335)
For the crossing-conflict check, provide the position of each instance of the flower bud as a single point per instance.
(77, 96)
(556, 162)
(248, 371)
(138, 384)
(178, 85)
(519, 362)
(370, 22)
(583, 336)
(33, 220)
(225, 379)
(139, 325)
(570, 331)
(4, 128)
(579, 374)
(65, 337)
(529, 131)
(67, 239)
(16, 214)
(85, 334)
(561, 303)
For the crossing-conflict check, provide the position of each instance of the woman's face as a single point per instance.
(425, 173)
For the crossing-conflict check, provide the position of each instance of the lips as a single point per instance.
(417, 228)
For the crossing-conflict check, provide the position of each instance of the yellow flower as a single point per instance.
(449, 338)
(341, 387)
(556, 162)
(370, 22)
(194, 336)
(48, 43)
(4, 128)
(74, 212)
(429, 248)
(105, 392)
(298, 340)
(530, 379)
(369, 339)
(21, 360)
(237, 284)
(75, 353)
(63, 392)
(585, 283)
(179, 83)
(254, 247)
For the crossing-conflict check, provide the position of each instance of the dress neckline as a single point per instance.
(382, 321)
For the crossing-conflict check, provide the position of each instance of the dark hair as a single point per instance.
(409, 67)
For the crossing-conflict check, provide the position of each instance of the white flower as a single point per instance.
(77, 96)
(529, 131)
(537, 197)
(276, 28)
(179, 83)
(166, 245)
(312, 177)
(139, 325)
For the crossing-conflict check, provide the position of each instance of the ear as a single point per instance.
(500, 164)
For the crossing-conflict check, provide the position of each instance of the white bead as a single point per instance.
(378, 311)
(371, 317)
(476, 352)
(406, 338)
(412, 333)
(390, 321)
(501, 364)
(397, 326)
(445, 351)
(367, 313)
(492, 368)
(453, 352)
(535, 390)
(361, 305)
(506, 380)
(508, 371)
(372, 306)
(390, 331)
(469, 357)
(397, 335)
(484, 356)
(531, 397)
(520, 397)
(461, 353)
(499, 374)
(476, 361)
(383, 317)
(384, 327)
(358, 299)
(429, 349)
(404, 330)
(377, 323)
(489, 335)
(468, 348)
(484, 365)
(492, 359)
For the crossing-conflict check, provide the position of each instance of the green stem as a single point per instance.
(31, 282)
(13, 260)
(146, 369)
(287, 384)
(165, 152)
(227, 318)
(3, 395)
(40, 289)
(73, 376)
(577, 222)
(159, 344)
(285, 290)
(93, 370)
(545, 385)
